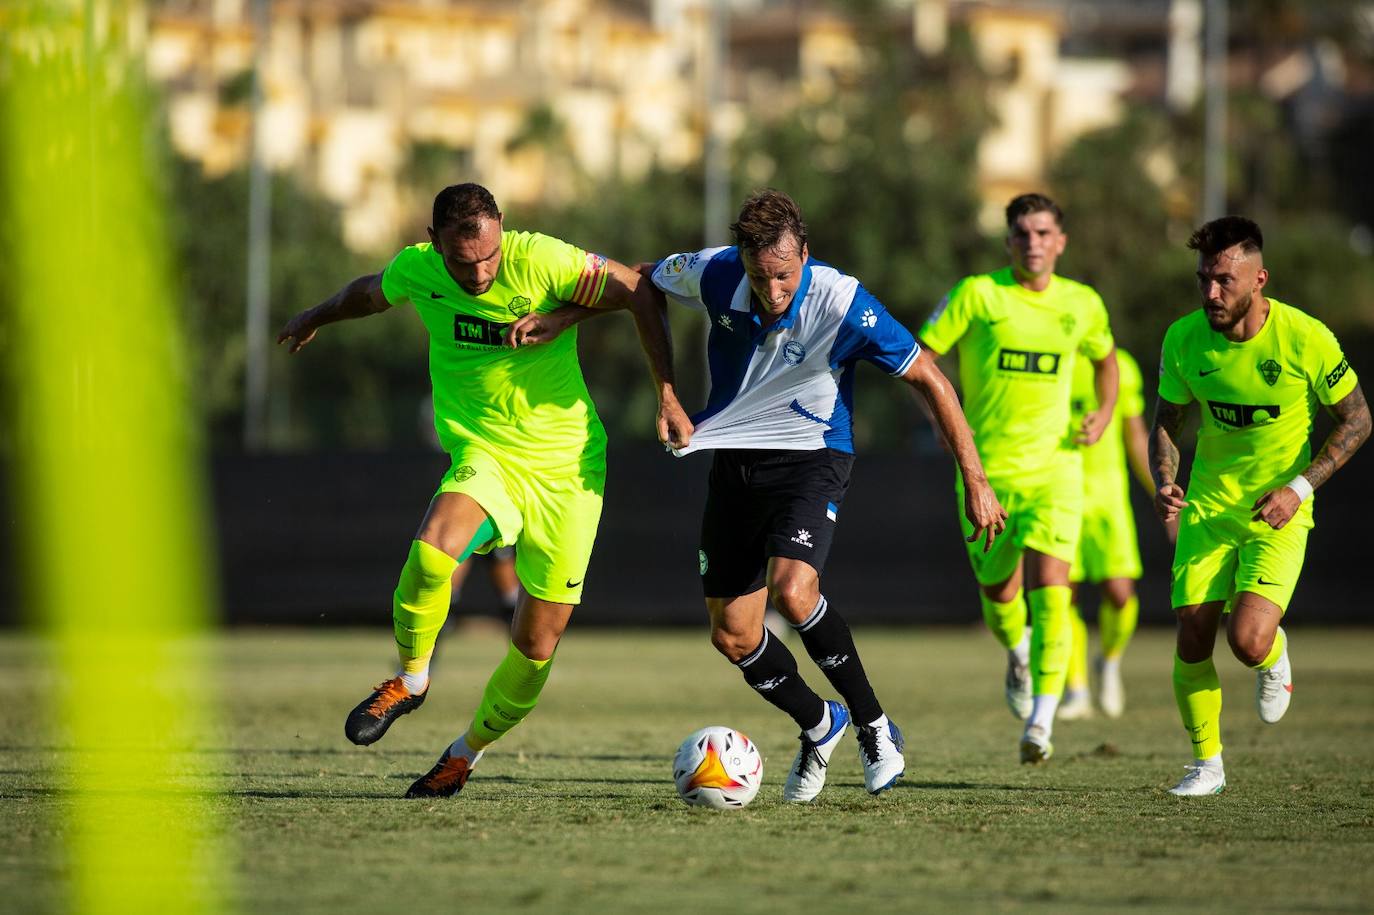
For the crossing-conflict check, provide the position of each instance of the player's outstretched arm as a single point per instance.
(649, 306)
(1164, 458)
(981, 507)
(1106, 376)
(1351, 413)
(358, 299)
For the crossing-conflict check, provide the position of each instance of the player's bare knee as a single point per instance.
(1250, 648)
(537, 646)
(793, 597)
(736, 646)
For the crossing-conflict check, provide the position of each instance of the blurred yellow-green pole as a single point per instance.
(107, 468)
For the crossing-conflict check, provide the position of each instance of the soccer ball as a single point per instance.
(718, 767)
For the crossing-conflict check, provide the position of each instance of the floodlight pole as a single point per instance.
(715, 158)
(259, 251)
(1214, 133)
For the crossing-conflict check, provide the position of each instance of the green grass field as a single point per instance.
(575, 811)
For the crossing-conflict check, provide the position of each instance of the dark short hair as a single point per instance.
(766, 219)
(1026, 204)
(462, 207)
(1216, 236)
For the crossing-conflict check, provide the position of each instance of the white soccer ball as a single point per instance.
(718, 767)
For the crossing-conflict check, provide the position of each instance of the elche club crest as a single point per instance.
(1271, 371)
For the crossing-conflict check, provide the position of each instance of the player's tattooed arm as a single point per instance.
(1278, 506)
(1164, 459)
(1351, 413)
(360, 298)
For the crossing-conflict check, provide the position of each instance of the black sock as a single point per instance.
(772, 671)
(828, 640)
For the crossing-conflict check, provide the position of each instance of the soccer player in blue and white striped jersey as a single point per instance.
(787, 332)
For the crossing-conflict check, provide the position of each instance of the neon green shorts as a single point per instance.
(1107, 546)
(551, 522)
(1044, 515)
(1219, 554)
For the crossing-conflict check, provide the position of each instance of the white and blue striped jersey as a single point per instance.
(788, 386)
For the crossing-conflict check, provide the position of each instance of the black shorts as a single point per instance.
(762, 504)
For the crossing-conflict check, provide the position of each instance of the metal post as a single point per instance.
(259, 251)
(715, 158)
(1214, 135)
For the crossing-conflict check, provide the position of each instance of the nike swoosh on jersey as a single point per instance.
(1203, 373)
(435, 295)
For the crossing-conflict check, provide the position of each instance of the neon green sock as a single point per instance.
(1077, 677)
(1051, 638)
(1007, 621)
(1117, 625)
(510, 695)
(420, 605)
(1275, 652)
(1198, 692)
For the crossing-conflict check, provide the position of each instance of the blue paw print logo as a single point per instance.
(869, 318)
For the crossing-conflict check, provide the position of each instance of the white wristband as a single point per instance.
(1300, 485)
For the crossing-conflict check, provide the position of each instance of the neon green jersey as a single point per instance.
(1105, 471)
(529, 405)
(1017, 350)
(1258, 399)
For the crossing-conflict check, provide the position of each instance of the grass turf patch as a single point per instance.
(575, 810)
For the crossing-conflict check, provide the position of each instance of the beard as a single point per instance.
(1228, 320)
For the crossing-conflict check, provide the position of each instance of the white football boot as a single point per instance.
(807, 775)
(1076, 704)
(1274, 687)
(1035, 745)
(1202, 779)
(880, 750)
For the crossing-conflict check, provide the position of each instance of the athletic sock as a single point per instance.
(1007, 621)
(1275, 651)
(461, 747)
(820, 730)
(1076, 677)
(831, 645)
(1198, 693)
(1110, 666)
(416, 682)
(511, 694)
(420, 604)
(1051, 640)
(1116, 625)
(772, 671)
(1043, 708)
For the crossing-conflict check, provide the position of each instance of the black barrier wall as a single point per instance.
(319, 539)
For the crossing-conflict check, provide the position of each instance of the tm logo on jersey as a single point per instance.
(1240, 415)
(1017, 360)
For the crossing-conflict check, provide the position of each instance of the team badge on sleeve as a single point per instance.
(592, 282)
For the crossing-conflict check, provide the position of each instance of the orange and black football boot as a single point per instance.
(368, 722)
(446, 779)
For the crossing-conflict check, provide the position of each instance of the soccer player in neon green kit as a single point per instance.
(1257, 368)
(1019, 332)
(528, 451)
(1108, 552)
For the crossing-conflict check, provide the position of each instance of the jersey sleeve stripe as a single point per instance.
(910, 358)
(592, 282)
